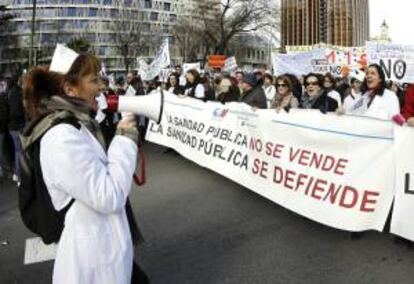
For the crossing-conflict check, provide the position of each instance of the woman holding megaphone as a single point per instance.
(82, 173)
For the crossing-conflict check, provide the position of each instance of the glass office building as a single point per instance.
(338, 22)
(59, 21)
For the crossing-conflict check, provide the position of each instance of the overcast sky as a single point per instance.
(399, 15)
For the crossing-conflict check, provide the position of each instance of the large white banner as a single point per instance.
(397, 60)
(161, 60)
(319, 166)
(402, 218)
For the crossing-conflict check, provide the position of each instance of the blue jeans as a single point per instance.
(17, 150)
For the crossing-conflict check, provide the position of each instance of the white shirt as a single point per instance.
(351, 99)
(382, 107)
(96, 245)
(270, 92)
(336, 96)
(199, 92)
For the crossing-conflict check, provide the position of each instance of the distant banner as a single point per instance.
(188, 66)
(319, 166)
(321, 59)
(298, 64)
(162, 60)
(397, 60)
(230, 65)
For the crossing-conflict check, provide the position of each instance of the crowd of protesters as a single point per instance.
(365, 93)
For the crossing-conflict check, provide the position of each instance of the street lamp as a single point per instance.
(31, 57)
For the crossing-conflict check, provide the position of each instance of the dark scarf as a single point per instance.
(308, 101)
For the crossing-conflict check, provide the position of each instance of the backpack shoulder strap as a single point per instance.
(41, 126)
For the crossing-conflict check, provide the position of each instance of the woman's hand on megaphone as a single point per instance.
(127, 127)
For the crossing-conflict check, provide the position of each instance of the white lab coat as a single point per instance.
(96, 245)
(382, 107)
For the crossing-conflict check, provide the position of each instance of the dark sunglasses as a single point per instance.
(314, 83)
(281, 85)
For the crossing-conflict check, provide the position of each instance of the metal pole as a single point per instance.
(31, 57)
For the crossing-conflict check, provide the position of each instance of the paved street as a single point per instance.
(202, 228)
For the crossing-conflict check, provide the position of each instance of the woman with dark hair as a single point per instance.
(284, 98)
(329, 83)
(82, 175)
(173, 84)
(194, 88)
(315, 97)
(377, 101)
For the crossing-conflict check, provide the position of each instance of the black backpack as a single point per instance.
(35, 204)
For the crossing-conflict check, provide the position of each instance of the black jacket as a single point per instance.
(323, 103)
(4, 113)
(255, 97)
(16, 109)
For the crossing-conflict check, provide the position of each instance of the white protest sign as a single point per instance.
(188, 66)
(319, 166)
(297, 63)
(130, 91)
(161, 60)
(396, 60)
(230, 65)
(164, 74)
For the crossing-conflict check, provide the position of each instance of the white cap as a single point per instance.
(63, 59)
(357, 74)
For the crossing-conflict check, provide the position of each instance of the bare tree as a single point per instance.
(188, 37)
(237, 17)
(132, 37)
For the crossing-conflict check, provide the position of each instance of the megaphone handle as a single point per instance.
(140, 180)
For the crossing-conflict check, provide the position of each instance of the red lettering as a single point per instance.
(263, 170)
(366, 201)
(348, 192)
(256, 166)
(309, 185)
(328, 163)
(269, 147)
(332, 193)
(277, 175)
(293, 154)
(299, 181)
(304, 158)
(317, 188)
(316, 160)
(341, 164)
(278, 151)
(289, 177)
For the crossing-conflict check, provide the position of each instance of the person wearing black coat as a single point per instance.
(227, 91)
(315, 97)
(253, 93)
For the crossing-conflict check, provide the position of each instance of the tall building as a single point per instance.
(59, 21)
(338, 22)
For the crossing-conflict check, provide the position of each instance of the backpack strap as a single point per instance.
(40, 126)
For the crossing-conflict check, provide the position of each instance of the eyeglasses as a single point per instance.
(313, 83)
(281, 85)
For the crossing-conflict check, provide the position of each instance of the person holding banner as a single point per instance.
(284, 98)
(194, 88)
(173, 84)
(354, 93)
(315, 97)
(253, 93)
(269, 89)
(329, 84)
(377, 101)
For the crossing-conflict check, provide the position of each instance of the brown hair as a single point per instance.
(286, 80)
(40, 84)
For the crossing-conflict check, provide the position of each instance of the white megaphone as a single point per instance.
(151, 106)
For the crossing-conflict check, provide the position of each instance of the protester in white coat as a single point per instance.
(96, 244)
(269, 89)
(376, 101)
